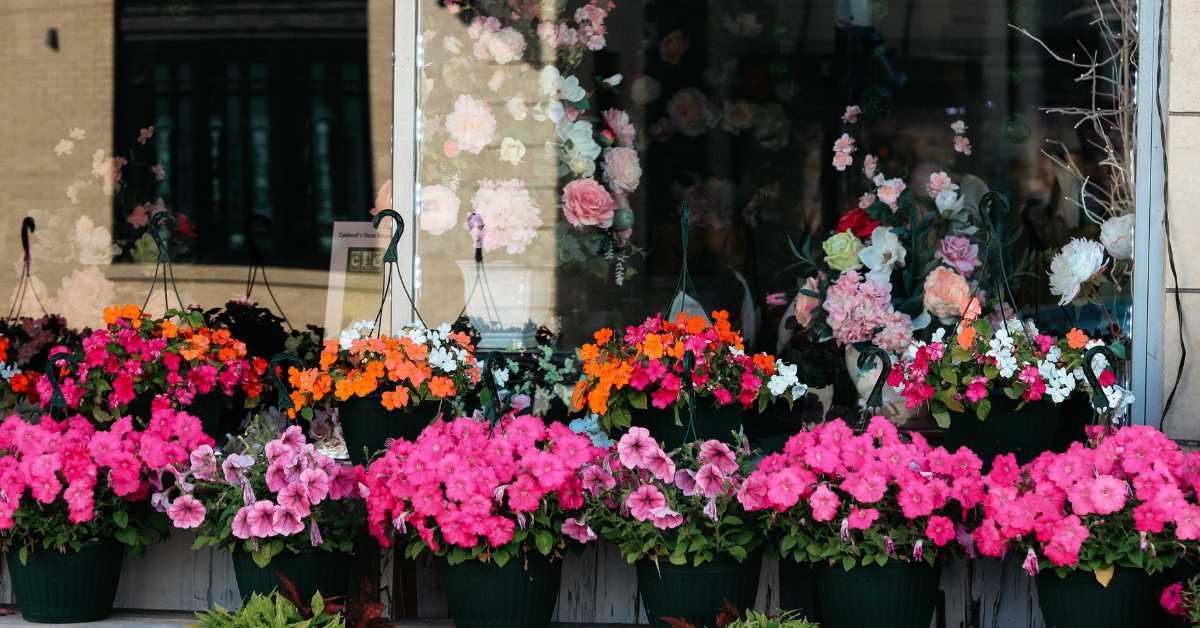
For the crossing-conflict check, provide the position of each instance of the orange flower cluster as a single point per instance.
(646, 366)
(397, 369)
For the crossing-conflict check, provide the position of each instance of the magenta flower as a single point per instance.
(285, 522)
(710, 480)
(824, 503)
(660, 465)
(862, 518)
(578, 530)
(259, 519)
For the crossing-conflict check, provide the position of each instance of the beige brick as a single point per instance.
(1184, 61)
(1183, 142)
(1183, 421)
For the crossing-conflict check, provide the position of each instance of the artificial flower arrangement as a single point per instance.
(266, 494)
(1011, 357)
(838, 497)
(1126, 499)
(135, 356)
(67, 484)
(681, 507)
(646, 368)
(474, 491)
(417, 365)
(25, 344)
(598, 163)
(900, 258)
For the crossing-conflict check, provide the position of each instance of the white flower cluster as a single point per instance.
(1060, 382)
(445, 355)
(1001, 348)
(356, 331)
(785, 379)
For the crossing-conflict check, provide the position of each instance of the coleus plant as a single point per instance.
(1127, 498)
(665, 363)
(470, 490)
(265, 494)
(417, 365)
(1010, 357)
(66, 484)
(682, 507)
(837, 497)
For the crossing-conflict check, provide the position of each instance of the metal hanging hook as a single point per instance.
(390, 254)
(284, 402)
(28, 226)
(875, 399)
(1099, 399)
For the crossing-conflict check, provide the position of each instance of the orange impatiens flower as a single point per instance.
(966, 336)
(129, 312)
(395, 399)
(1076, 339)
(652, 346)
(441, 387)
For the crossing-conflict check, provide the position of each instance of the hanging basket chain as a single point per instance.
(163, 263)
(25, 282)
(257, 264)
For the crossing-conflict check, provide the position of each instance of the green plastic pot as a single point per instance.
(896, 595)
(711, 423)
(209, 408)
(798, 589)
(1024, 433)
(367, 425)
(521, 594)
(55, 588)
(1079, 601)
(697, 594)
(310, 570)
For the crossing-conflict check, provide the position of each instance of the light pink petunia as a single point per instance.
(186, 512)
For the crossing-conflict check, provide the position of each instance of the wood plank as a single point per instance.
(168, 576)
(578, 591)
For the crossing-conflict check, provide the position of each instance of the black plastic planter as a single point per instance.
(367, 425)
(55, 588)
(521, 594)
(1025, 433)
(309, 570)
(798, 589)
(697, 594)
(896, 595)
(711, 423)
(1078, 601)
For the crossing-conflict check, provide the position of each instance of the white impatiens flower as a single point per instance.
(785, 378)
(1077, 262)
(1117, 235)
(356, 331)
(883, 254)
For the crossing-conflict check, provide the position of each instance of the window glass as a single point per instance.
(573, 134)
(253, 126)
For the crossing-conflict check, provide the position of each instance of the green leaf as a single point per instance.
(128, 536)
(318, 604)
(23, 555)
(121, 518)
(501, 556)
(942, 416)
(847, 563)
(637, 400)
(738, 552)
(544, 541)
(983, 408)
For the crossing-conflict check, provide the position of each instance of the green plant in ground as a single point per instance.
(730, 617)
(273, 611)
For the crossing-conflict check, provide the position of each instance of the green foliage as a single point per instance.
(756, 619)
(48, 526)
(271, 611)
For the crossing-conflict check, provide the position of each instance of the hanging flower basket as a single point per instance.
(520, 594)
(1079, 601)
(56, 588)
(367, 426)
(798, 589)
(697, 594)
(310, 570)
(897, 595)
(719, 423)
(1024, 431)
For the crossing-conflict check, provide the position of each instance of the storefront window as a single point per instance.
(253, 127)
(575, 134)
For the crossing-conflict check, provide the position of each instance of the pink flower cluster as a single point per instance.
(1057, 502)
(859, 308)
(871, 480)
(464, 483)
(68, 459)
(298, 477)
(589, 30)
(651, 481)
